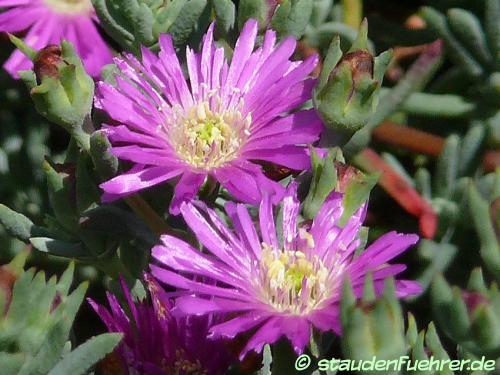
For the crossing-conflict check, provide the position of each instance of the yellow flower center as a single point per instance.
(70, 6)
(292, 283)
(206, 138)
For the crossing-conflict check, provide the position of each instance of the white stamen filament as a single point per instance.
(207, 135)
(291, 281)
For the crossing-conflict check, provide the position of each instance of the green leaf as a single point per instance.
(438, 22)
(291, 17)
(167, 16)
(492, 28)
(470, 149)
(447, 167)
(467, 28)
(87, 193)
(36, 325)
(86, 355)
(356, 193)
(109, 19)
(11, 363)
(437, 258)
(16, 224)
(225, 13)
(105, 163)
(117, 222)
(59, 196)
(58, 247)
(333, 56)
(186, 23)
(434, 344)
(490, 247)
(256, 9)
(23, 47)
(143, 25)
(324, 181)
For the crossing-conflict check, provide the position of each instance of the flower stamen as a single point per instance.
(208, 138)
(291, 282)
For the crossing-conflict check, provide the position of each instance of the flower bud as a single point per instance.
(60, 88)
(372, 326)
(469, 317)
(47, 62)
(330, 173)
(347, 92)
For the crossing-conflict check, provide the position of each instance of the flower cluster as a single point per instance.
(262, 280)
(216, 121)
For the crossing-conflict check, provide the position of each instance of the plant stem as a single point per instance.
(81, 138)
(409, 138)
(146, 213)
(353, 12)
(400, 190)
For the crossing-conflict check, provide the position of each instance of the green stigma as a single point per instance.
(292, 282)
(208, 139)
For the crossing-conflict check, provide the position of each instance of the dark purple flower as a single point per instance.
(276, 287)
(49, 22)
(218, 125)
(161, 340)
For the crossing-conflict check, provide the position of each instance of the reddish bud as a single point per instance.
(360, 62)
(46, 62)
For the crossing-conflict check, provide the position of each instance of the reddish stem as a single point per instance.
(408, 138)
(400, 190)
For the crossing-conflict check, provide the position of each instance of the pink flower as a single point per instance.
(229, 116)
(158, 339)
(276, 287)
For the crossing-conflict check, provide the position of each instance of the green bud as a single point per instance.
(469, 317)
(133, 23)
(324, 181)
(347, 93)
(60, 88)
(412, 331)
(331, 174)
(372, 326)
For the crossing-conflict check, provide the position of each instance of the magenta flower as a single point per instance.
(276, 287)
(229, 116)
(160, 341)
(49, 22)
